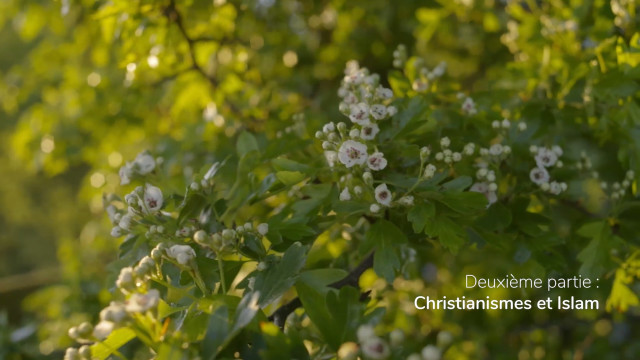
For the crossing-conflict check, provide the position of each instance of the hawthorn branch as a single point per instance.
(279, 316)
(174, 15)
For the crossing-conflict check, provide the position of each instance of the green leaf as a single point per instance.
(114, 341)
(280, 277)
(217, 331)
(497, 217)
(171, 352)
(384, 237)
(458, 184)
(467, 202)
(246, 142)
(596, 254)
(193, 205)
(450, 234)
(420, 214)
(290, 178)
(320, 278)
(335, 314)
(399, 83)
(282, 164)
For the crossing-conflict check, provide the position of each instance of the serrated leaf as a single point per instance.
(420, 214)
(114, 341)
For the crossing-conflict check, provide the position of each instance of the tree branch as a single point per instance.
(280, 315)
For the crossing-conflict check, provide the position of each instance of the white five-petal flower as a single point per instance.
(352, 153)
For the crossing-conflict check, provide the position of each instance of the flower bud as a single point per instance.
(73, 333)
(424, 153)
(342, 127)
(228, 234)
(71, 354)
(396, 337)
(85, 329)
(263, 229)
(333, 137)
(200, 237)
(216, 242)
(85, 352)
(194, 186)
(367, 178)
(319, 135)
(156, 254)
(444, 338)
(374, 208)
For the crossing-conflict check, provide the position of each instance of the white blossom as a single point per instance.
(375, 348)
(445, 142)
(263, 229)
(125, 222)
(495, 124)
(539, 175)
(406, 200)
(115, 313)
(374, 208)
(143, 302)
(546, 157)
(378, 111)
(152, 199)
(383, 195)
(483, 188)
(359, 113)
(522, 126)
(444, 338)
(329, 127)
(469, 106)
(630, 174)
(456, 156)
(392, 110)
(345, 195)
(125, 278)
(331, 157)
(145, 163)
(496, 149)
(125, 173)
(352, 153)
(469, 149)
(103, 329)
(183, 254)
(431, 352)
(429, 171)
(117, 231)
(377, 161)
(506, 124)
(369, 132)
(555, 188)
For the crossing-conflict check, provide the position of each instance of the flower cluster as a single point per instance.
(142, 165)
(425, 76)
(547, 158)
(371, 346)
(366, 103)
(399, 56)
(143, 200)
(468, 106)
(226, 240)
(619, 189)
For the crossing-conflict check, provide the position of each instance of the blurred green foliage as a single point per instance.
(85, 86)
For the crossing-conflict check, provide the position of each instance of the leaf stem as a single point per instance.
(223, 283)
